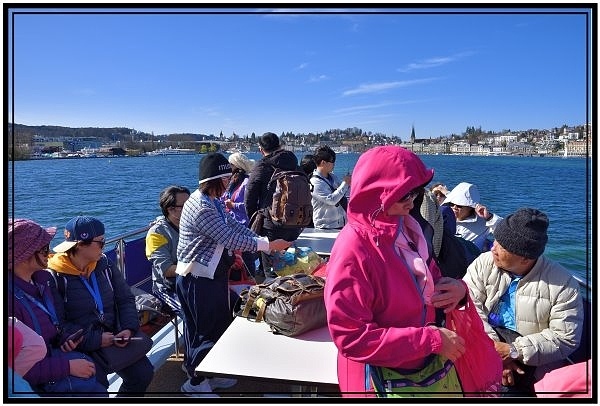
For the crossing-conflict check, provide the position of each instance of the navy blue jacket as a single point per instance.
(77, 307)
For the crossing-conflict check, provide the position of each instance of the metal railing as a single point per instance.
(119, 247)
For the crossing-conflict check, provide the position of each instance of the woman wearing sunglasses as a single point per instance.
(474, 222)
(382, 287)
(95, 293)
(58, 367)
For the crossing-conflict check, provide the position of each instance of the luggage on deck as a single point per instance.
(290, 305)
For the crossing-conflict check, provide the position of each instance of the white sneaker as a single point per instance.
(202, 390)
(221, 383)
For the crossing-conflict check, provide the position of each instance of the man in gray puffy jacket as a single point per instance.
(519, 292)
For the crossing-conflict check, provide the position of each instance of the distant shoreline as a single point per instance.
(348, 153)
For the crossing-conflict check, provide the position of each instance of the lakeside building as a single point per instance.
(567, 141)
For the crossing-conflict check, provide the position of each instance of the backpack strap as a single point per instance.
(60, 282)
(314, 175)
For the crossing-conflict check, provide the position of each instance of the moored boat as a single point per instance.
(172, 151)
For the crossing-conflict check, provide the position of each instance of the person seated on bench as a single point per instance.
(530, 305)
(161, 244)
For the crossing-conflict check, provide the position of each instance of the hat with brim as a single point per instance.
(214, 166)
(464, 194)
(64, 246)
(80, 228)
(25, 237)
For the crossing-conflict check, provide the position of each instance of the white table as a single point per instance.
(250, 349)
(321, 241)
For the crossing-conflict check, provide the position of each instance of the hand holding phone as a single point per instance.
(125, 339)
(76, 335)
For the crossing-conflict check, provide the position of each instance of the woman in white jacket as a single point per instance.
(473, 220)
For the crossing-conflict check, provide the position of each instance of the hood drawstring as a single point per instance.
(372, 217)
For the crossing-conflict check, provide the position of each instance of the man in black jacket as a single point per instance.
(259, 194)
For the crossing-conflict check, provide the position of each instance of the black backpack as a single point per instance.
(292, 199)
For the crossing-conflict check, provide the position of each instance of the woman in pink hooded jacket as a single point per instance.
(381, 291)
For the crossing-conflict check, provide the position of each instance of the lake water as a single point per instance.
(123, 192)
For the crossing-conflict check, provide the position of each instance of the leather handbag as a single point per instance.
(113, 358)
(290, 305)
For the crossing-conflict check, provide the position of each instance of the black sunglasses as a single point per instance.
(410, 195)
(99, 242)
(456, 205)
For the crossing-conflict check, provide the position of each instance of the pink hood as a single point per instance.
(381, 177)
(375, 310)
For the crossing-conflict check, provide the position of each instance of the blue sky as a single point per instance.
(302, 72)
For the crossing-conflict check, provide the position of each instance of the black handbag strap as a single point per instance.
(506, 335)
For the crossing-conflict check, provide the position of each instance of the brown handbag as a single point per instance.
(290, 305)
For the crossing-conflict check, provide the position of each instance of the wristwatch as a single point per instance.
(514, 354)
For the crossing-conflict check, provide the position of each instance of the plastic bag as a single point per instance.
(480, 367)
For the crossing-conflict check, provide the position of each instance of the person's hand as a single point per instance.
(503, 349)
(448, 292)
(508, 369)
(279, 245)
(82, 368)
(107, 339)
(229, 204)
(348, 179)
(70, 345)
(121, 339)
(453, 345)
(483, 212)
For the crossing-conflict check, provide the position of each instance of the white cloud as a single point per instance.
(382, 87)
(360, 108)
(433, 62)
(301, 66)
(319, 78)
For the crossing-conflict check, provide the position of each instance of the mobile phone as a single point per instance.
(126, 338)
(76, 335)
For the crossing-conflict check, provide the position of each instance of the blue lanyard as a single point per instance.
(95, 292)
(47, 307)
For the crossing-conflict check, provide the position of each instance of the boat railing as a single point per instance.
(120, 247)
(128, 253)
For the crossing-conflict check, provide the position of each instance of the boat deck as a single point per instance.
(168, 375)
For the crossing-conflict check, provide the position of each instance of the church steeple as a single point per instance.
(412, 135)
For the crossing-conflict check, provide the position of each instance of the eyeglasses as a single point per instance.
(412, 195)
(44, 250)
(176, 206)
(456, 205)
(101, 243)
